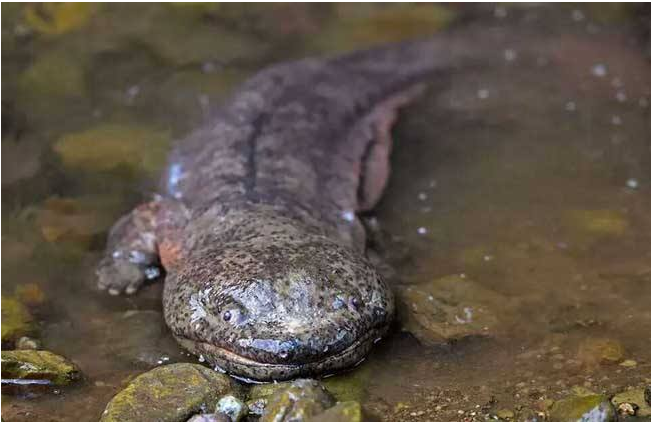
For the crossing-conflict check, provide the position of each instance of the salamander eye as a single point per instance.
(226, 316)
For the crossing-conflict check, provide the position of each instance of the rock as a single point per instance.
(58, 18)
(38, 365)
(16, 320)
(108, 146)
(350, 386)
(634, 399)
(232, 407)
(347, 411)
(628, 363)
(169, 393)
(140, 338)
(362, 25)
(212, 417)
(449, 308)
(595, 351)
(76, 221)
(27, 343)
(301, 400)
(30, 294)
(505, 414)
(583, 408)
(599, 222)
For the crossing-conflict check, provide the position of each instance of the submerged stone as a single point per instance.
(16, 320)
(298, 401)
(351, 385)
(168, 393)
(636, 398)
(347, 411)
(449, 308)
(595, 351)
(36, 365)
(583, 408)
(107, 146)
(58, 18)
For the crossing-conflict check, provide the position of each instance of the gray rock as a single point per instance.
(212, 417)
(347, 411)
(231, 406)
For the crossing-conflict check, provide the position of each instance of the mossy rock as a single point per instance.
(347, 411)
(16, 320)
(169, 393)
(583, 408)
(350, 386)
(361, 25)
(108, 146)
(298, 401)
(58, 18)
(634, 397)
(38, 365)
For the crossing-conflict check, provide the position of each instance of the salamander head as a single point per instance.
(278, 306)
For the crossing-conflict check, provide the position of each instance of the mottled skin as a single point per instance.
(257, 227)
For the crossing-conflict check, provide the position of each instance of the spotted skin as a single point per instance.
(257, 228)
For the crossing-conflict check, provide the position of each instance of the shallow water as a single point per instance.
(531, 178)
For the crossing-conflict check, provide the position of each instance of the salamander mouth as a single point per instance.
(253, 371)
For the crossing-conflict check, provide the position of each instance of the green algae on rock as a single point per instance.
(449, 308)
(347, 411)
(350, 386)
(38, 365)
(299, 400)
(58, 18)
(16, 320)
(636, 398)
(107, 146)
(361, 25)
(583, 408)
(169, 393)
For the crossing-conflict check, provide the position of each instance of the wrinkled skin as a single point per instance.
(257, 226)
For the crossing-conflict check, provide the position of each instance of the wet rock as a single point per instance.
(350, 386)
(449, 308)
(628, 363)
(76, 221)
(583, 408)
(30, 294)
(27, 343)
(595, 351)
(232, 407)
(299, 401)
(347, 411)
(169, 393)
(210, 417)
(633, 399)
(58, 18)
(16, 320)
(139, 337)
(38, 366)
(362, 25)
(107, 146)
(505, 414)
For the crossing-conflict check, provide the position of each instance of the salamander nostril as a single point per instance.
(355, 302)
(283, 353)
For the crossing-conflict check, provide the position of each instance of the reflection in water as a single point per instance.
(529, 179)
